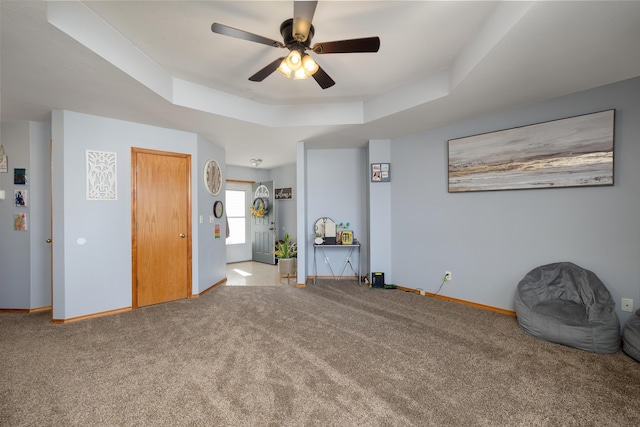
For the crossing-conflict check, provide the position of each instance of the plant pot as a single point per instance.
(287, 266)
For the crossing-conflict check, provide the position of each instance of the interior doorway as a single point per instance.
(263, 222)
(161, 226)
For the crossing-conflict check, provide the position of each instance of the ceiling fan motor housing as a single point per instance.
(286, 29)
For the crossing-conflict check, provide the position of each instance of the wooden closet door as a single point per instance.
(161, 220)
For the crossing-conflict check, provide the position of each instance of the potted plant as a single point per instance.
(286, 251)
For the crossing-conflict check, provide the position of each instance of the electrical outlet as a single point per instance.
(423, 293)
(627, 304)
(447, 276)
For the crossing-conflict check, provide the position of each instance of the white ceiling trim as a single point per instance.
(86, 27)
(83, 25)
(203, 98)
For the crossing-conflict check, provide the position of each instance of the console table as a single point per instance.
(350, 249)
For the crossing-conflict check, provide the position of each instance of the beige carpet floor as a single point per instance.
(335, 354)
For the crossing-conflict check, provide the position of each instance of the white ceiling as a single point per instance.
(157, 62)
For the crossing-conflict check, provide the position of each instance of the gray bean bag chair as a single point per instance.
(631, 336)
(566, 304)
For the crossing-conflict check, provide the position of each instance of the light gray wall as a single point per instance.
(14, 245)
(96, 277)
(380, 213)
(25, 282)
(211, 261)
(336, 188)
(303, 221)
(490, 240)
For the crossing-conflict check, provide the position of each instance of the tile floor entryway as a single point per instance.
(251, 273)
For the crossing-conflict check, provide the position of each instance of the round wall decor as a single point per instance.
(218, 208)
(212, 177)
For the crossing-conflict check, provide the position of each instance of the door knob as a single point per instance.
(182, 235)
(48, 240)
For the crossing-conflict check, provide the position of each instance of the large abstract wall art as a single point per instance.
(571, 152)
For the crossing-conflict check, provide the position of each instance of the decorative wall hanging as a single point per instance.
(20, 198)
(262, 191)
(101, 175)
(20, 222)
(571, 152)
(260, 207)
(380, 172)
(19, 176)
(283, 194)
(4, 163)
(212, 177)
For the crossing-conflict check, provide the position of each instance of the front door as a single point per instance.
(262, 224)
(161, 221)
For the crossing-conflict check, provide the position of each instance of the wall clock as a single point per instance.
(218, 208)
(212, 177)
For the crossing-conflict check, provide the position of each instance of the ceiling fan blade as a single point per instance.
(303, 12)
(367, 44)
(266, 71)
(225, 30)
(323, 78)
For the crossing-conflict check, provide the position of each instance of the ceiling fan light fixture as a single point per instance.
(297, 34)
(300, 74)
(284, 70)
(298, 66)
(294, 60)
(309, 65)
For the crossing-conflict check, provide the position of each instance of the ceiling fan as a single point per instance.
(297, 34)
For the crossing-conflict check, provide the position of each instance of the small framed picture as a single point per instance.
(380, 172)
(3, 162)
(20, 222)
(19, 176)
(20, 198)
